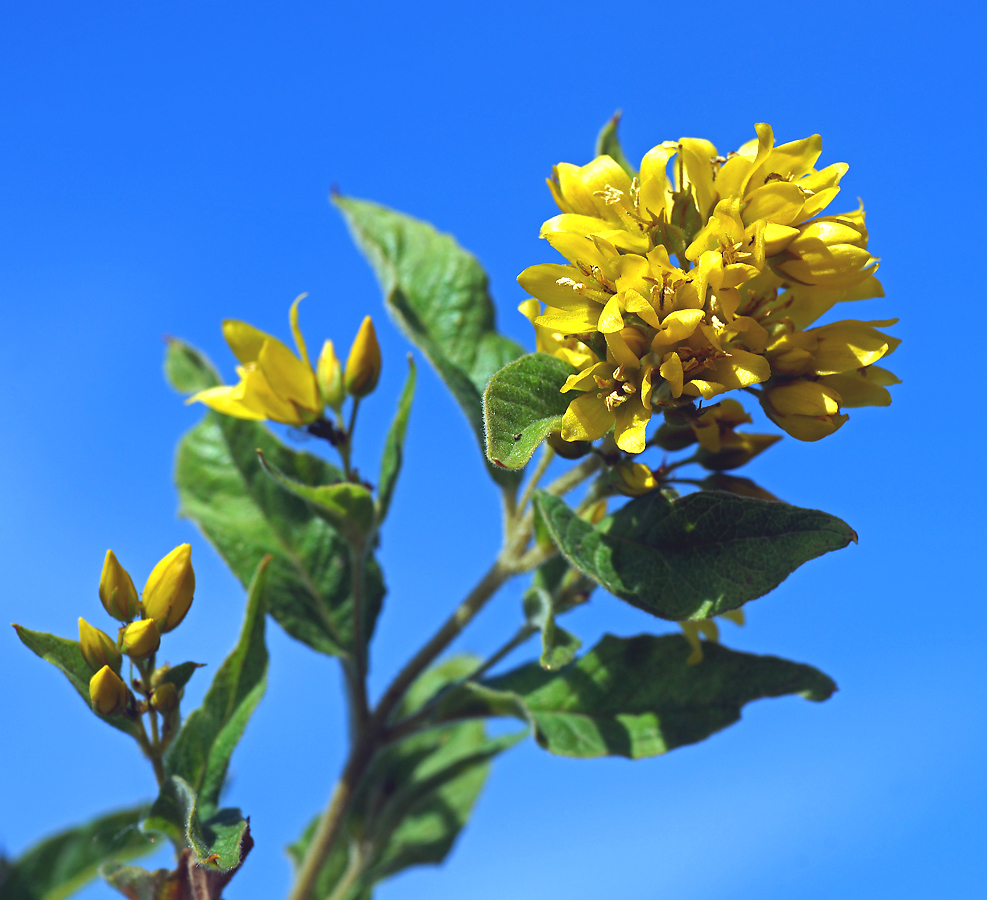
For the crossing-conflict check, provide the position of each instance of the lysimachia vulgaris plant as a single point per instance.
(683, 287)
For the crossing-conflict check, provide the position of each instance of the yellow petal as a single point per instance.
(571, 321)
(631, 419)
(586, 419)
(777, 201)
(855, 390)
(289, 378)
(296, 331)
(227, 400)
(610, 318)
(563, 287)
(245, 341)
(740, 369)
(848, 345)
(671, 371)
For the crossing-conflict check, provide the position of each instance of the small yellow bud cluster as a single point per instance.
(166, 600)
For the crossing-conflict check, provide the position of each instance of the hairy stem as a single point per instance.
(547, 455)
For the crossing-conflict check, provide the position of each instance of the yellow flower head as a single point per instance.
(274, 383)
(363, 363)
(704, 280)
(98, 648)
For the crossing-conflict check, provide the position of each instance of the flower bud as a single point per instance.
(165, 698)
(107, 692)
(329, 374)
(140, 639)
(169, 589)
(117, 591)
(807, 410)
(830, 251)
(633, 479)
(363, 363)
(567, 449)
(98, 648)
(736, 450)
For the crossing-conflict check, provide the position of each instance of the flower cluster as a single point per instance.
(690, 287)
(165, 602)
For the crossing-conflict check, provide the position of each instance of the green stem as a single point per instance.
(346, 447)
(354, 868)
(358, 676)
(548, 454)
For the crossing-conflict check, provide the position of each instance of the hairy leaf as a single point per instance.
(66, 655)
(246, 515)
(521, 405)
(437, 294)
(61, 864)
(201, 752)
(220, 843)
(695, 557)
(636, 697)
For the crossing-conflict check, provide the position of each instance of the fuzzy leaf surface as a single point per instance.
(246, 515)
(521, 405)
(636, 697)
(220, 843)
(437, 294)
(695, 557)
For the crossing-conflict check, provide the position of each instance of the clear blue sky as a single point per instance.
(161, 169)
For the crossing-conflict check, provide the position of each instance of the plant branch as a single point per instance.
(547, 455)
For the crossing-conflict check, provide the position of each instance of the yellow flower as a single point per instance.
(140, 639)
(329, 374)
(169, 589)
(634, 479)
(616, 394)
(706, 283)
(721, 447)
(98, 648)
(274, 383)
(363, 363)
(116, 590)
(107, 692)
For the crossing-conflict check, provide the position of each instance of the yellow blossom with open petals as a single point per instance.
(274, 383)
(709, 272)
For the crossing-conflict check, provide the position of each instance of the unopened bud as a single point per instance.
(165, 698)
(736, 450)
(140, 639)
(830, 251)
(117, 591)
(567, 449)
(329, 374)
(363, 364)
(169, 589)
(807, 410)
(98, 648)
(107, 692)
(634, 479)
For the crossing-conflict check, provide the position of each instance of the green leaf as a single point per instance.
(521, 405)
(246, 515)
(559, 647)
(636, 697)
(187, 369)
(607, 144)
(696, 557)
(220, 843)
(60, 865)
(67, 656)
(179, 675)
(348, 507)
(201, 752)
(390, 461)
(437, 294)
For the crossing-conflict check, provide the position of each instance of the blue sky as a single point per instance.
(161, 169)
